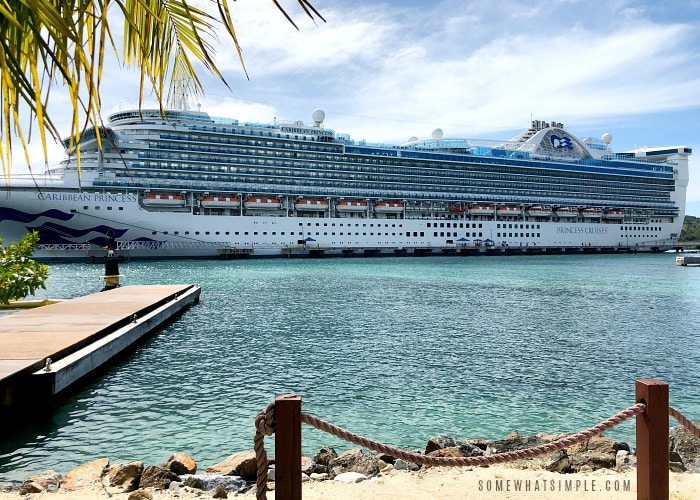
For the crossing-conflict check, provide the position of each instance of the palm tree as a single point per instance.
(45, 43)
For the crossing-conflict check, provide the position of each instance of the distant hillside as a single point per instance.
(691, 229)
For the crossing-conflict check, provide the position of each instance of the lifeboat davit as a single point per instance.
(482, 210)
(386, 207)
(311, 205)
(164, 200)
(614, 213)
(262, 203)
(509, 211)
(539, 211)
(220, 202)
(351, 206)
(592, 213)
(566, 212)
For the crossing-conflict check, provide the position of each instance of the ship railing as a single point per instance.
(174, 245)
(64, 247)
(651, 410)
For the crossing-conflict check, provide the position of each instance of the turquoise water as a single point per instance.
(395, 349)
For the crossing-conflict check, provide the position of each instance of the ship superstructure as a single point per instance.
(183, 184)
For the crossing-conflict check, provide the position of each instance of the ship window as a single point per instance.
(442, 234)
(206, 232)
(435, 234)
(510, 235)
(498, 235)
(109, 208)
(121, 208)
(481, 235)
(245, 233)
(422, 233)
(154, 232)
(97, 207)
(85, 207)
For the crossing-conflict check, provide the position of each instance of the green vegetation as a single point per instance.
(691, 229)
(19, 274)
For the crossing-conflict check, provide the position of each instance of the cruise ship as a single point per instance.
(180, 183)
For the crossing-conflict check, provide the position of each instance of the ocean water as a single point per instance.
(395, 349)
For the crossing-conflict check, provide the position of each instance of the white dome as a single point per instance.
(318, 115)
(607, 138)
(437, 134)
(413, 138)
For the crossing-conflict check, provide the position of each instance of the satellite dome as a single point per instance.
(437, 134)
(607, 138)
(413, 138)
(318, 116)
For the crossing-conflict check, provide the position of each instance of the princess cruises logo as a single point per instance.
(561, 142)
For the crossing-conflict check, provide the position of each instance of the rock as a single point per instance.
(271, 474)
(181, 463)
(209, 482)
(126, 476)
(40, 482)
(350, 477)
(307, 465)
(354, 461)
(624, 460)
(140, 495)
(513, 436)
(676, 467)
(319, 477)
(324, 457)
(220, 492)
(687, 446)
(461, 451)
(193, 482)
(241, 464)
(154, 476)
(595, 460)
(86, 475)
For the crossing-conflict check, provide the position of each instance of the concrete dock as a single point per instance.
(45, 350)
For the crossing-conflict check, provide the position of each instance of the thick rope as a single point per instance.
(419, 458)
(692, 428)
(265, 426)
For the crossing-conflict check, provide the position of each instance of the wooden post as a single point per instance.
(288, 447)
(652, 441)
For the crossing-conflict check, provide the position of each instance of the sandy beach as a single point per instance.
(480, 483)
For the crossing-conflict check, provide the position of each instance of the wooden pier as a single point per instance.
(45, 350)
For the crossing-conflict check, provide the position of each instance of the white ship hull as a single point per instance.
(143, 233)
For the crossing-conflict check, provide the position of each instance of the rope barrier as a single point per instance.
(496, 458)
(692, 428)
(265, 426)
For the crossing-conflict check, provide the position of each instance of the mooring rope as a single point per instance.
(265, 426)
(692, 428)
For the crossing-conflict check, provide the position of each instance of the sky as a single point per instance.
(385, 71)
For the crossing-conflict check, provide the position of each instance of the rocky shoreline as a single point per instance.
(237, 474)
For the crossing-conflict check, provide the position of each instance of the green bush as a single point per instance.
(19, 274)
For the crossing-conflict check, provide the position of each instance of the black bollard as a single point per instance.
(112, 275)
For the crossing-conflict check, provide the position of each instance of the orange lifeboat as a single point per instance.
(164, 200)
(311, 205)
(482, 210)
(351, 206)
(614, 213)
(387, 207)
(592, 213)
(509, 211)
(220, 202)
(456, 209)
(566, 212)
(261, 203)
(539, 211)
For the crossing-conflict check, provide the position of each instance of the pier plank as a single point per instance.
(29, 336)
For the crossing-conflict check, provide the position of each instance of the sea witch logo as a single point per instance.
(561, 142)
(88, 197)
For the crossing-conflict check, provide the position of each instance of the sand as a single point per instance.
(480, 483)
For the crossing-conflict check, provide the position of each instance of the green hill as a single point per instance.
(691, 229)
